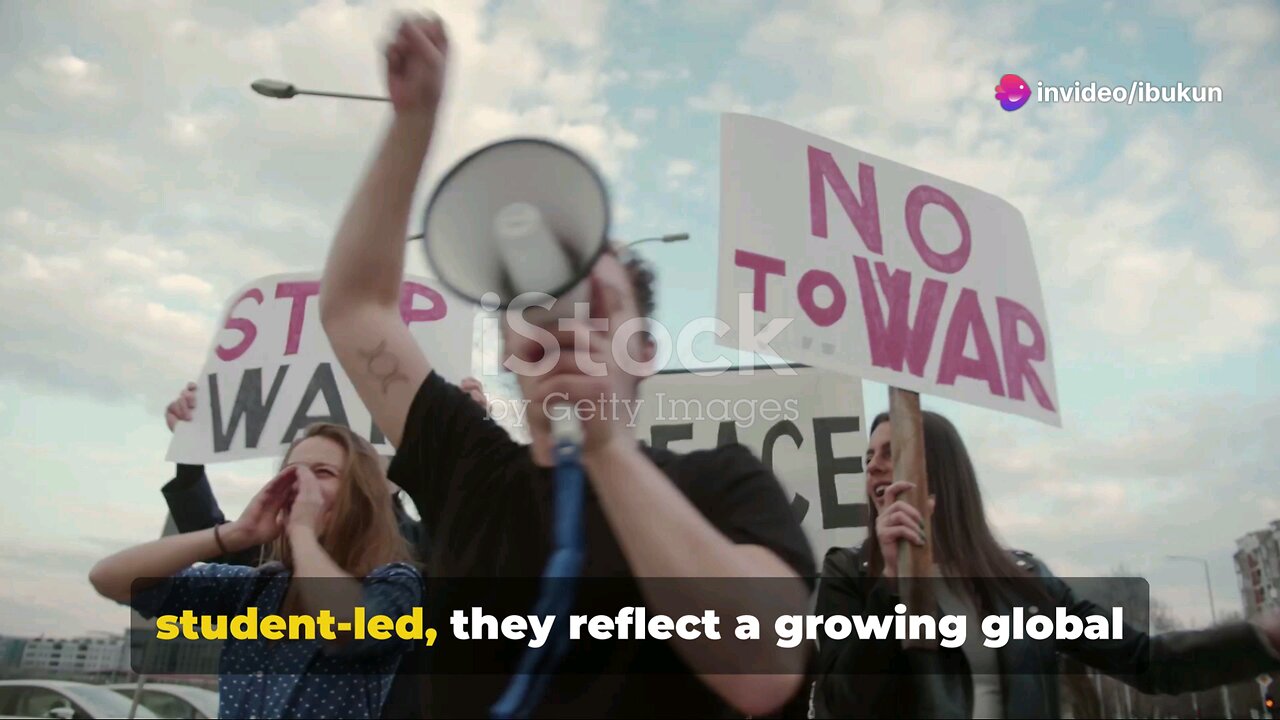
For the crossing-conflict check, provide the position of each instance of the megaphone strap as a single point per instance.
(557, 593)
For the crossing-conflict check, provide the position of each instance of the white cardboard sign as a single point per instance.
(271, 371)
(868, 267)
(808, 426)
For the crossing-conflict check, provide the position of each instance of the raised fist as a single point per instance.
(181, 409)
(416, 59)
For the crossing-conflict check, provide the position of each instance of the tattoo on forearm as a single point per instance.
(383, 366)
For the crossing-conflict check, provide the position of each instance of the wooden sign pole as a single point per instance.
(914, 563)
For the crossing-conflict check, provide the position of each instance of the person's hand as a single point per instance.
(475, 389)
(576, 372)
(306, 514)
(900, 520)
(416, 60)
(263, 520)
(571, 387)
(181, 409)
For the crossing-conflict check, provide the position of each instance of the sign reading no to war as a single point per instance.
(271, 371)
(840, 259)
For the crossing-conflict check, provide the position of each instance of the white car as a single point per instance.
(173, 701)
(64, 700)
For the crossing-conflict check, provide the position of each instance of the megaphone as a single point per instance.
(510, 220)
(521, 216)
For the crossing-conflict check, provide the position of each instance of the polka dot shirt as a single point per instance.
(291, 678)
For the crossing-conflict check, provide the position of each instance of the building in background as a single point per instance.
(101, 653)
(1258, 570)
(11, 651)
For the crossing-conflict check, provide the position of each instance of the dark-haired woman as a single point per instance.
(879, 679)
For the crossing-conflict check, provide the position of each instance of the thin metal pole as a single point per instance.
(348, 96)
(1213, 615)
(137, 696)
(673, 237)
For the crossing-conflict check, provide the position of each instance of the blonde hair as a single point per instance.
(362, 533)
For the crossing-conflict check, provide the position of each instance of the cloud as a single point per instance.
(35, 611)
(198, 130)
(68, 76)
(1074, 60)
(152, 183)
(680, 168)
(1181, 473)
(651, 78)
(128, 227)
(1165, 441)
(1125, 271)
(106, 312)
(1152, 232)
(680, 176)
(910, 62)
(186, 284)
(47, 590)
(720, 97)
(1130, 32)
(644, 115)
(1247, 205)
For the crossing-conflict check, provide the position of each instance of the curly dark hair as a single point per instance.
(641, 274)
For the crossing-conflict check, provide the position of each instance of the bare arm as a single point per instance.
(663, 535)
(113, 577)
(322, 584)
(360, 288)
(149, 563)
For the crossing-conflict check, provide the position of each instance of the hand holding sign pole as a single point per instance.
(846, 261)
(907, 445)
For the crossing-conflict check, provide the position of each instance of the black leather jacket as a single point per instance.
(885, 681)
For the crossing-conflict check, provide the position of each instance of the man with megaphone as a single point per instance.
(496, 225)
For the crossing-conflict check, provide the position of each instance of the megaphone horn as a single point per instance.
(525, 215)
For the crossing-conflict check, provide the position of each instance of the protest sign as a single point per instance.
(808, 426)
(271, 371)
(840, 259)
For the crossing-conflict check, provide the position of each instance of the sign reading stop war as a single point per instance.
(872, 268)
(271, 371)
(808, 426)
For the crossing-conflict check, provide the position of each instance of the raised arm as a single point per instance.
(1176, 662)
(323, 585)
(360, 289)
(114, 577)
(188, 495)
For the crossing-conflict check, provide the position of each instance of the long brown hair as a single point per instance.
(362, 533)
(962, 541)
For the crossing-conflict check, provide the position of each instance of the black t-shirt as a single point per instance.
(487, 511)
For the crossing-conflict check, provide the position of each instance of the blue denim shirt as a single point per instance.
(290, 678)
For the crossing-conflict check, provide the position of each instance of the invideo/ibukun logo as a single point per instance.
(1012, 92)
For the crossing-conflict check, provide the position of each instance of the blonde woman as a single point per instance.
(326, 520)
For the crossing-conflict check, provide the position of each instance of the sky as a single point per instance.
(144, 182)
